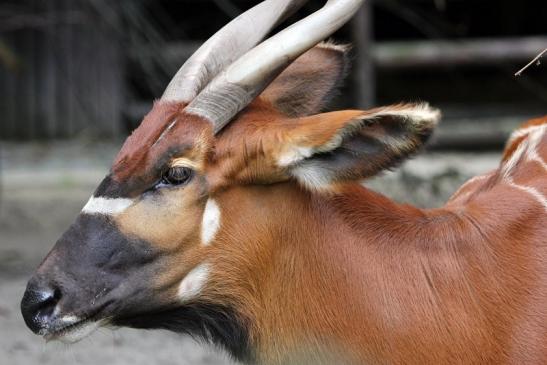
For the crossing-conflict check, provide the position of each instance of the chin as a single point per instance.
(74, 330)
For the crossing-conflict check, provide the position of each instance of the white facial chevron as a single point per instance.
(211, 221)
(106, 206)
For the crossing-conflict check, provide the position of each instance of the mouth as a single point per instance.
(71, 329)
(73, 332)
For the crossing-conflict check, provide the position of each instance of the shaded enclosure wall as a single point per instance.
(61, 73)
(93, 67)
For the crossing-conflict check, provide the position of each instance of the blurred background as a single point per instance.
(76, 76)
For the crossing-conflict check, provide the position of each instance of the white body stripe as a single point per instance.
(524, 131)
(211, 221)
(193, 283)
(532, 191)
(537, 158)
(535, 138)
(519, 154)
(107, 206)
(527, 150)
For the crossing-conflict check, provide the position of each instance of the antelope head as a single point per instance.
(176, 236)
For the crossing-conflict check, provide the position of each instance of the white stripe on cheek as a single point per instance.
(192, 284)
(107, 206)
(211, 222)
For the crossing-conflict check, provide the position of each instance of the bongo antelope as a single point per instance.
(235, 213)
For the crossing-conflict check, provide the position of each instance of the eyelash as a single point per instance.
(176, 176)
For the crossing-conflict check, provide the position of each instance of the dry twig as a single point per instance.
(536, 59)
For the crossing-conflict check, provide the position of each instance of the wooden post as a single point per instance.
(364, 84)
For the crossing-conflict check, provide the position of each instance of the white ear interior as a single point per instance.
(414, 120)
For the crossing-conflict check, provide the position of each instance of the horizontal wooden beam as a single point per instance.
(480, 127)
(392, 55)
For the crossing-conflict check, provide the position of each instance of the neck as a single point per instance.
(326, 274)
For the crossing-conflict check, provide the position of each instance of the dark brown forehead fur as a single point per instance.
(165, 133)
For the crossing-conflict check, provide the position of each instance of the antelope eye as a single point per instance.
(176, 175)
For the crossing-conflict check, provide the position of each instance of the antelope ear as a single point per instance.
(351, 145)
(310, 82)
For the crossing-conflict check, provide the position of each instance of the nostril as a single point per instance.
(50, 297)
(38, 305)
(56, 294)
(49, 300)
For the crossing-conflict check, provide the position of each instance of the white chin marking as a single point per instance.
(211, 222)
(76, 333)
(79, 333)
(193, 283)
(68, 320)
(106, 206)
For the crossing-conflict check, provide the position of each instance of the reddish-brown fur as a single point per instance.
(261, 238)
(361, 278)
(349, 276)
(343, 274)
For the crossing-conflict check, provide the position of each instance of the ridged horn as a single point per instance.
(227, 45)
(235, 87)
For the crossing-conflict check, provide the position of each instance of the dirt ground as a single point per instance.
(43, 187)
